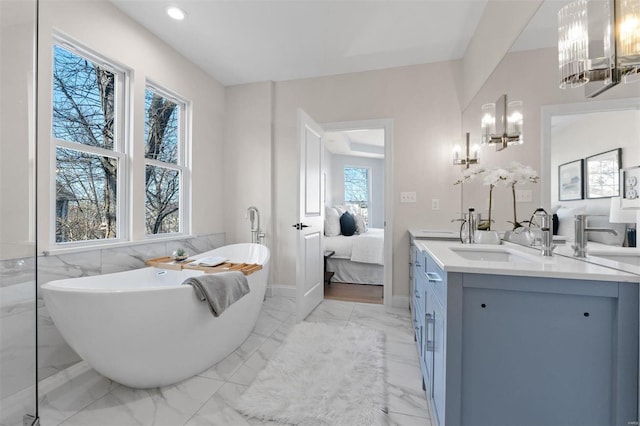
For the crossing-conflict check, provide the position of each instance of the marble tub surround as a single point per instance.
(79, 396)
(17, 271)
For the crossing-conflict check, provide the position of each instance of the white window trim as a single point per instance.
(120, 151)
(183, 164)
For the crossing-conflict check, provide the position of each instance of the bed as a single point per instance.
(358, 259)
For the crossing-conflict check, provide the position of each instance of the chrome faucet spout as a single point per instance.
(257, 236)
(546, 246)
(580, 246)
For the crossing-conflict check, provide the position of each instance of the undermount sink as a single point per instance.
(489, 255)
(630, 259)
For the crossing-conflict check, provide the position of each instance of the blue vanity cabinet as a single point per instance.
(502, 349)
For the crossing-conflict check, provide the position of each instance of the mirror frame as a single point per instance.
(550, 111)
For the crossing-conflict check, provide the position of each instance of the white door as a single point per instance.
(310, 253)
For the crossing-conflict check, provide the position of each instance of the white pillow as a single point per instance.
(566, 221)
(361, 226)
(331, 222)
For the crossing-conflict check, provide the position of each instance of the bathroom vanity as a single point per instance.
(506, 336)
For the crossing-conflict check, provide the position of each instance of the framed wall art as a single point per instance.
(602, 174)
(570, 181)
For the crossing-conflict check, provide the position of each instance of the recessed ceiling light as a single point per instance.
(176, 13)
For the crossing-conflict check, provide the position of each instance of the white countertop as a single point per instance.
(435, 234)
(526, 262)
(596, 254)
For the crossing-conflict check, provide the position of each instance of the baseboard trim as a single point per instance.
(400, 302)
(281, 290)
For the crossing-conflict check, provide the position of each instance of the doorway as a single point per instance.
(357, 177)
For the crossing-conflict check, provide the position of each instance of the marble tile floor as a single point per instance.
(80, 396)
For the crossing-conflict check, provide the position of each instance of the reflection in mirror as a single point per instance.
(529, 72)
(576, 131)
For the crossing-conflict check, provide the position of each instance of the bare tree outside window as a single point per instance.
(356, 190)
(162, 177)
(89, 155)
(86, 178)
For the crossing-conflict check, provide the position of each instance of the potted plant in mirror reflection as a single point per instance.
(492, 177)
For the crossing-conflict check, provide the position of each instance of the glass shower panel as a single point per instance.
(18, 392)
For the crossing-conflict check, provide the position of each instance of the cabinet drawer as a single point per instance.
(437, 279)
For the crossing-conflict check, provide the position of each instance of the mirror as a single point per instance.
(529, 72)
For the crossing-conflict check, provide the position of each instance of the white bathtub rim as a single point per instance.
(59, 285)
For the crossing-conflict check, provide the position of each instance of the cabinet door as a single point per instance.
(536, 358)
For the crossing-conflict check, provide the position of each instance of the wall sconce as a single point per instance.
(502, 123)
(599, 44)
(471, 154)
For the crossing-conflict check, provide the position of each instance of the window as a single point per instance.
(356, 190)
(89, 151)
(165, 162)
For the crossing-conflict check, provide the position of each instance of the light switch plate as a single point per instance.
(435, 204)
(407, 197)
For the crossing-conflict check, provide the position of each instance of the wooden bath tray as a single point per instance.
(167, 262)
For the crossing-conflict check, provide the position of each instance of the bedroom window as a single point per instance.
(87, 118)
(165, 160)
(357, 190)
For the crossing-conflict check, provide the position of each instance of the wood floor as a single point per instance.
(362, 293)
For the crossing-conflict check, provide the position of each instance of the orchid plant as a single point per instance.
(492, 177)
(520, 173)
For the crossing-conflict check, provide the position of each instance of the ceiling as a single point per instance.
(360, 143)
(244, 41)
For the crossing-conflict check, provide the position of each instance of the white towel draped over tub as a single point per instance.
(220, 290)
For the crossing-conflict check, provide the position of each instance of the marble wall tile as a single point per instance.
(216, 240)
(69, 266)
(17, 298)
(16, 271)
(132, 257)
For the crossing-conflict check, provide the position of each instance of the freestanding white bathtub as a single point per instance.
(143, 329)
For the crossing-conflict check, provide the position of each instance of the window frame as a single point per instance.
(182, 165)
(119, 151)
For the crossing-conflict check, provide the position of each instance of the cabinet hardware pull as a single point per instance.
(430, 319)
(417, 294)
(432, 276)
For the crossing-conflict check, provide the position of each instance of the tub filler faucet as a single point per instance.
(580, 247)
(257, 235)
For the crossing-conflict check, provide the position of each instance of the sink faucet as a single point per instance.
(257, 236)
(547, 233)
(580, 247)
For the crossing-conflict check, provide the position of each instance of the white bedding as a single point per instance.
(364, 248)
